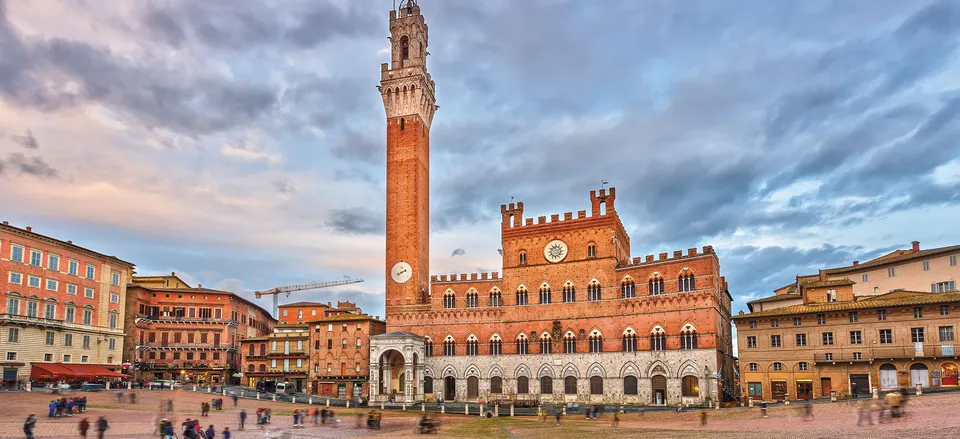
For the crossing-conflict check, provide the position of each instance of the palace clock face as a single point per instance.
(401, 272)
(555, 251)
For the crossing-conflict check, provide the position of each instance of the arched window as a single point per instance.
(546, 385)
(691, 386)
(569, 343)
(428, 385)
(656, 284)
(570, 385)
(496, 299)
(496, 385)
(627, 288)
(546, 344)
(686, 280)
(754, 367)
(449, 346)
(473, 345)
(658, 339)
(496, 345)
(630, 385)
(523, 258)
(449, 299)
(263, 368)
(404, 48)
(545, 293)
(629, 340)
(251, 350)
(250, 368)
(473, 299)
(428, 347)
(569, 292)
(521, 295)
(688, 337)
(593, 290)
(523, 345)
(523, 385)
(596, 342)
(596, 385)
(591, 250)
(473, 387)
(263, 349)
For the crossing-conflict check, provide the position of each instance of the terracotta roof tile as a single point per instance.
(899, 298)
(827, 283)
(776, 298)
(892, 258)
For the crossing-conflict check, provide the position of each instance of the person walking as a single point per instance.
(226, 433)
(296, 417)
(763, 409)
(102, 425)
(210, 433)
(864, 412)
(703, 418)
(29, 425)
(84, 427)
(243, 418)
(168, 431)
(235, 398)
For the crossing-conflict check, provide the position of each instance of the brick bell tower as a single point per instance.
(408, 98)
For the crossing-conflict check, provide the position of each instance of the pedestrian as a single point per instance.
(29, 425)
(84, 426)
(102, 425)
(808, 411)
(168, 431)
(703, 418)
(243, 418)
(296, 417)
(235, 398)
(269, 415)
(853, 390)
(316, 416)
(323, 417)
(615, 421)
(439, 398)
(226, 432)
(763, 409)
(559, 413)
(210, 432)
(864, 412)
(53, 408)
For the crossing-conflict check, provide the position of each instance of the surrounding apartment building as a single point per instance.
(192, 335)
(827, 333)
(62, 303)
(341, 351)
(282, 356)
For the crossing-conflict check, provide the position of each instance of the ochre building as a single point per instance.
(573, 317)
(192, 335)
(62, 303)
(825, 333)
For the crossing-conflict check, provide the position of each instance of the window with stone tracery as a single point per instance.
(569, 293)
(593, 290)
(628, 288)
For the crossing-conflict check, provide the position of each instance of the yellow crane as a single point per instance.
(276, 292)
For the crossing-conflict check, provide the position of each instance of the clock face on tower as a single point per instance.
(401, 272)
(555, 251)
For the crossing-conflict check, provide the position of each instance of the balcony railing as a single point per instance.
(187, 346)
(183, 365)
(868, 354)
(185, 319)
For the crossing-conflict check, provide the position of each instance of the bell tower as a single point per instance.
(408, 98)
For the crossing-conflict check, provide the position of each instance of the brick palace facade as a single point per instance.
(572, 317)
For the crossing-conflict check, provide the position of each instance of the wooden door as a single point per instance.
(804, 389)
(473, 387)
(825, 387)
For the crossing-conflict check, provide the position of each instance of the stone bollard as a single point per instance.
(129, 385)
(443, 409)
(423, 407)
(274, 396)
(919, 390)
(348, 403)
(310, 400)
(381, 405)
(210, 390)
(496, 411)
(876, 394)
(481, 410)
(564, 410)
(29, 386)
(511, 410)
(194, 388)
(258, 396)
(403, 407)
(466, 409)
(294, 399)
(328, 402)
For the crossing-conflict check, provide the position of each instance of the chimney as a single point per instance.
(856, 263)
(69, 242)
(173, 273)
(916, 244)
(29, 229)
(823, 276)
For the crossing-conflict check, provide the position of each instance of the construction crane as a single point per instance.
(276, 292)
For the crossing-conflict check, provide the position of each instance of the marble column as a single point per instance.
(410, 382)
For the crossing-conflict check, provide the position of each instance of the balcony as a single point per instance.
(185, 319)
(187, 346)
(15, 319)
(870, 354)
(188, 365)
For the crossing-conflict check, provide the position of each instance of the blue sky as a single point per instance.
(241, 144)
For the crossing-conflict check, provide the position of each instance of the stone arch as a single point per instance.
(495, 337)
(472, 337)
(783, 367)
(545, 371)
(626, 278)
(629, 330)
(521, 370)
(472, 370)
(688, 368)
(630, 369)
(568, 283)
(655, 276)
(658, 368)
(570, 369)
(657, 329)
(596, 369)
(495, 371)
(685, 271)
(688, 326)
(450, 371)
(428, 371)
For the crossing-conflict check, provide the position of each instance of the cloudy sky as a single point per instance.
(241, 143)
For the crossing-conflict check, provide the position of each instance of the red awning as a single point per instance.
(50, 370)
(93, 371)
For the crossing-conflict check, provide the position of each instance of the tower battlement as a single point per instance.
(601, 205)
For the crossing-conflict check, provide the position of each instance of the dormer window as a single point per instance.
(831, 295)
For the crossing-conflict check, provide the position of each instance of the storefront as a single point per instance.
(948, 374)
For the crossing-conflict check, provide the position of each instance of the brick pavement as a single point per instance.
(927, 416)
